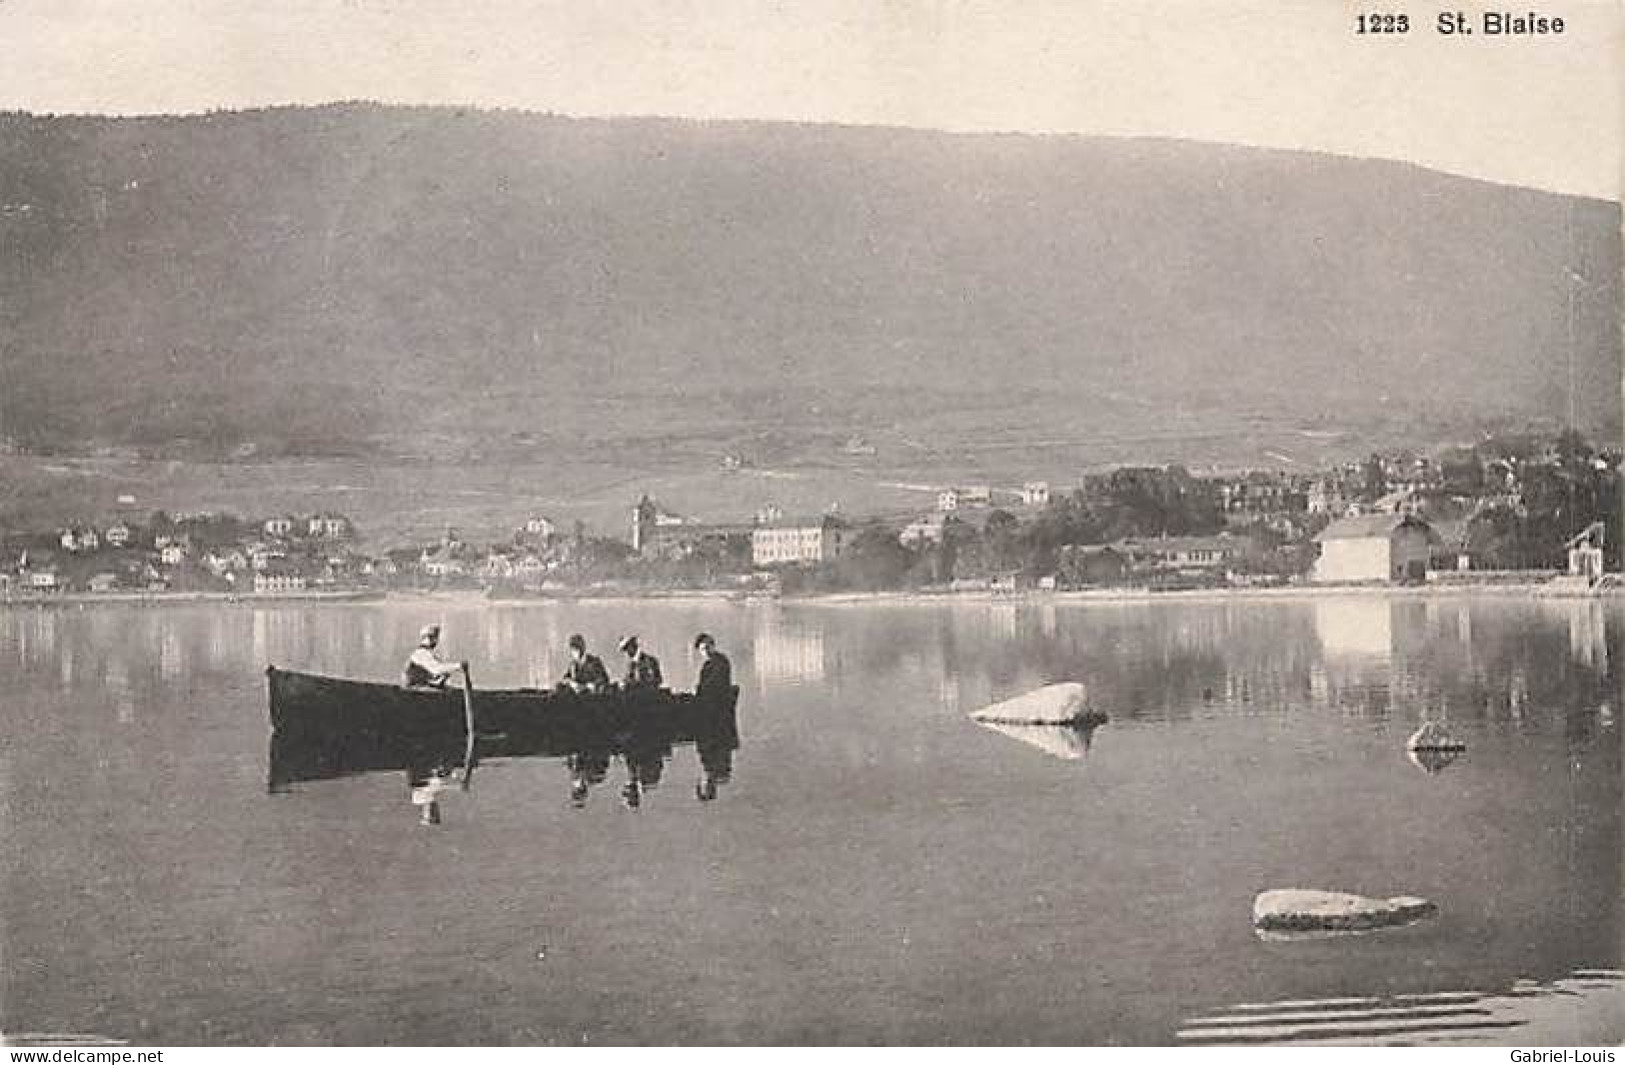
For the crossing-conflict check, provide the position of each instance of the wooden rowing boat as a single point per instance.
(325, 727)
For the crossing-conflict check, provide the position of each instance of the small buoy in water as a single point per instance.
(1433, 736)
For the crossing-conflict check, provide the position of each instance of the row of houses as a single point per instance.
(45, 577)
(1387, 548)
(1345, 492)
(1390, 546)
(81, 538)
(452, 559)
(315, 527)
(1031, 494)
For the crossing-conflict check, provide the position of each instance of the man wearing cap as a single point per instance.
(586, 674)
(425, 668)
(716, 672)
(642, 668)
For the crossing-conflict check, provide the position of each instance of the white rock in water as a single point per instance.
(1303, 910)
(1055, 704)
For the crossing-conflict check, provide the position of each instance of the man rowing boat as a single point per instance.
(425, 668)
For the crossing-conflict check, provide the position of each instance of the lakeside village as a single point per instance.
(1524, 509)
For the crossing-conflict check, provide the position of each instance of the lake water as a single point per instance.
(879, 869)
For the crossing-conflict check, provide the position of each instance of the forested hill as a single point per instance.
(368, 278)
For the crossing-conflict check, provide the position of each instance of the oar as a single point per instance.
(468, 723)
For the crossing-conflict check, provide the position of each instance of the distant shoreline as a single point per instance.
(1529, 589)
(1555, 588)
(168, 598)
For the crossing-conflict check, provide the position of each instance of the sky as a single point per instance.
(1546, 112)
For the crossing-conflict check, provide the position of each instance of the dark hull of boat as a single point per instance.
(325, 727)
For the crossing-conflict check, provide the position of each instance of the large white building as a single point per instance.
(1374, 547)
(1035, 494)
(930, 529)
(278, 581)
(788, 542)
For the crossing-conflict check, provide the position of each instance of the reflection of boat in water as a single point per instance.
(324, 727)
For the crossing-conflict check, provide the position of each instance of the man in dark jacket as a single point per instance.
(586, 674)
(716, 672)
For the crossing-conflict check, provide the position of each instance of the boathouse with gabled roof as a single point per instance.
(1374, 547)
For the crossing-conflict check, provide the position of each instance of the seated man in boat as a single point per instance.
(642, 668)
(716, 672)
(586, 674)
(425, 668)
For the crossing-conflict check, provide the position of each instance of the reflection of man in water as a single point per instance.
(587, 767)
(645, 750)
(716, 769)
(425, 668)
(426, 786)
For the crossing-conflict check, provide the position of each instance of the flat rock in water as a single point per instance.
(1053, 704)
(1303, 910)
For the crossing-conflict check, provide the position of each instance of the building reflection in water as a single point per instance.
(1356, 671)
(1588, 635)
(116, 680)
(786, 651)
(1356, 630)
(171, 654)
(260, 637)
(34, 632)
